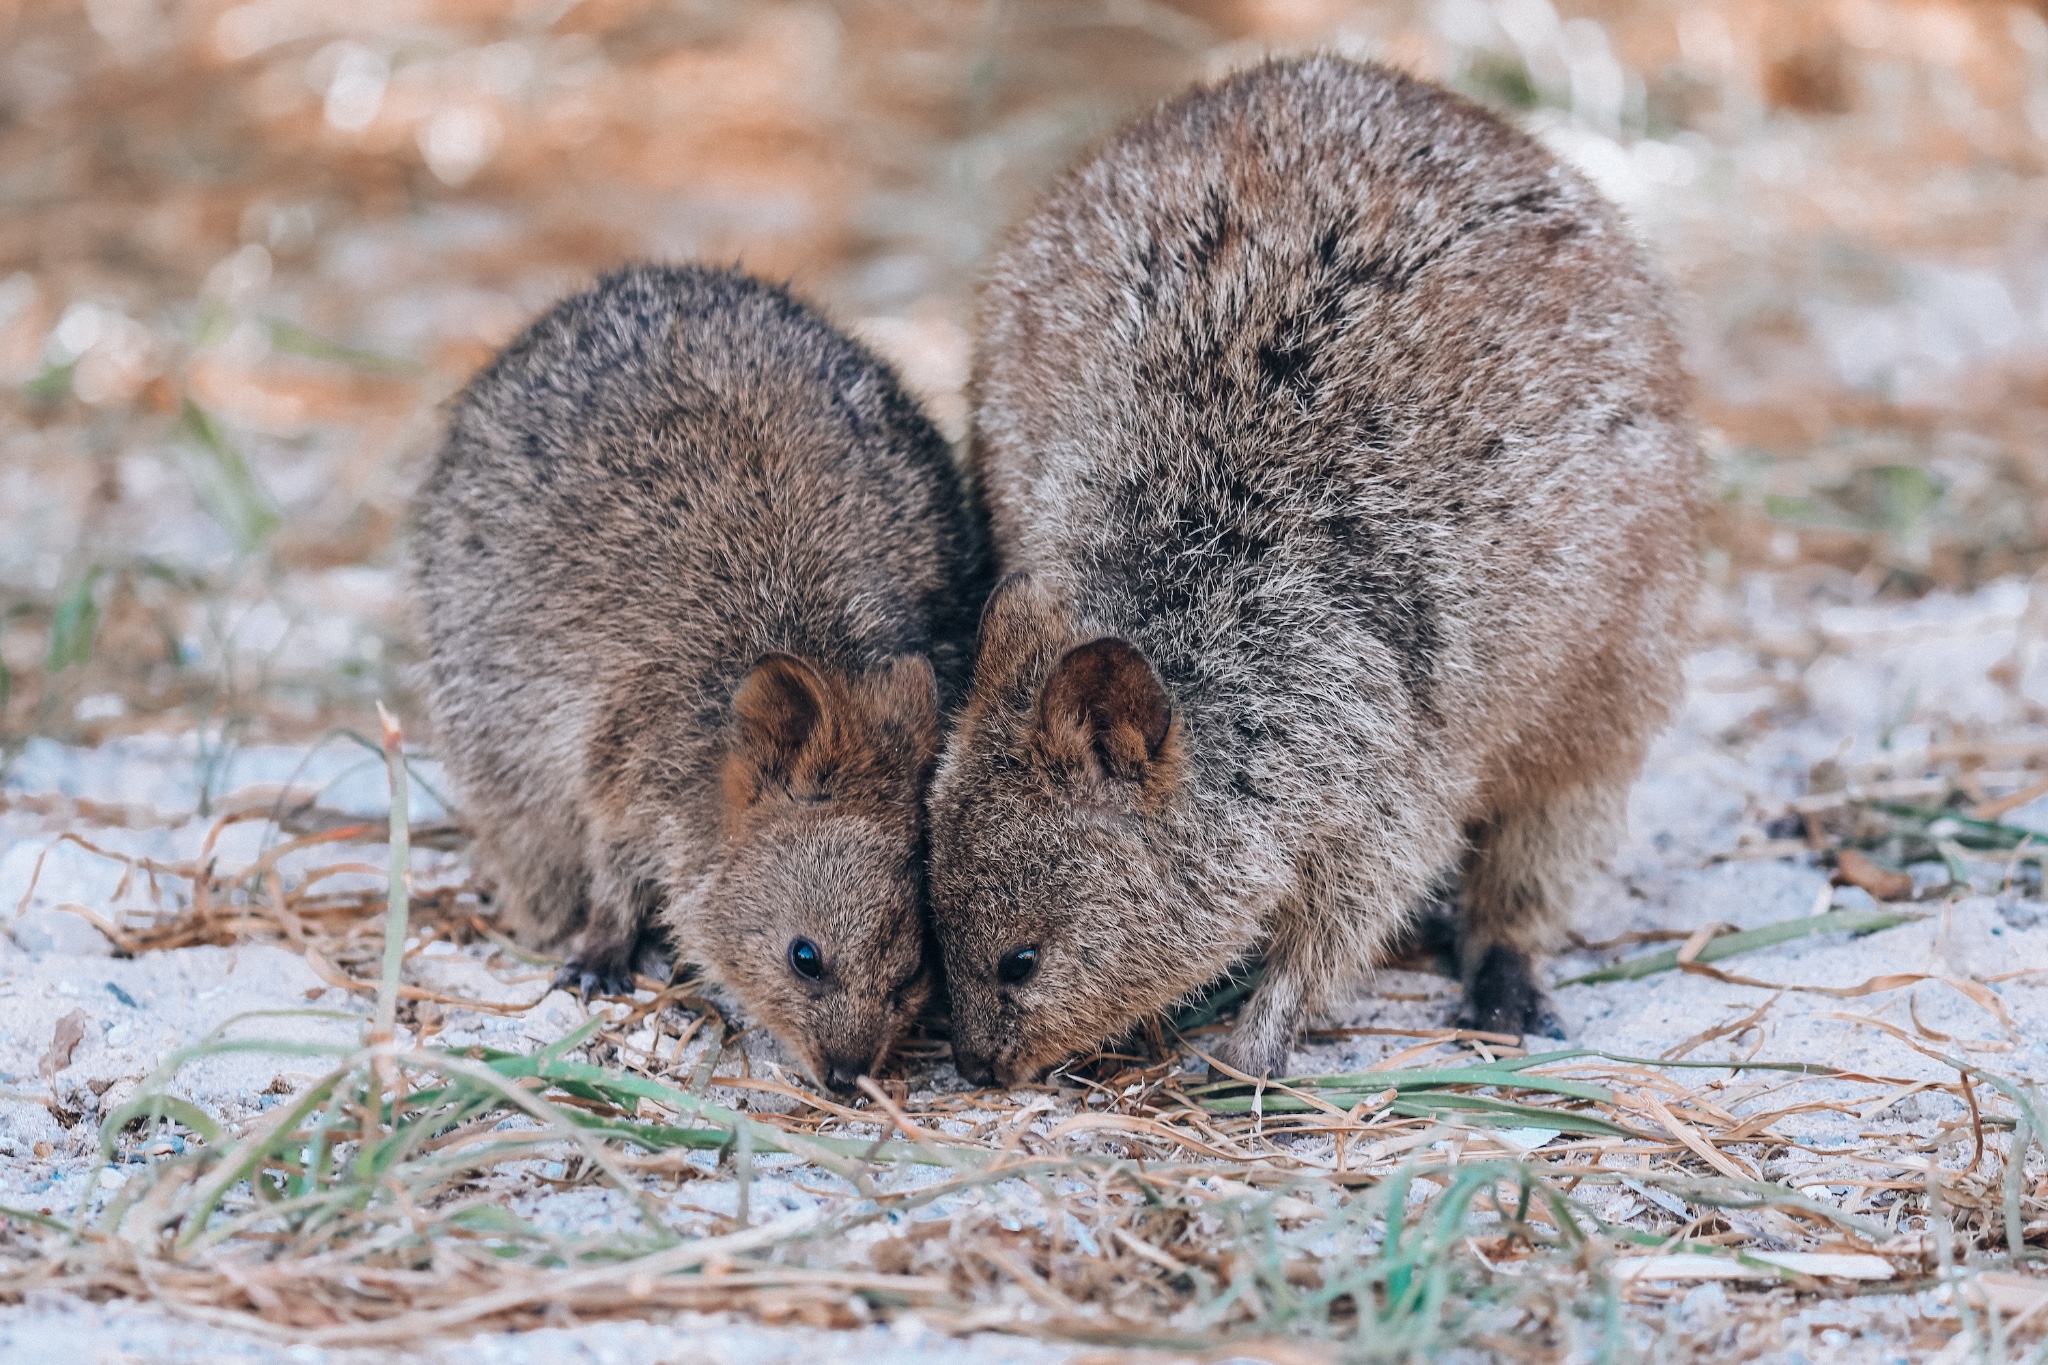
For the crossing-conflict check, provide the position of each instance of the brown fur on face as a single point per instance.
(1340, 436)
(1074, 761)
(694, 572)
(824, 843)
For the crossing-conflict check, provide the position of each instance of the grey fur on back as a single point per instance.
(1363, 420)
(667, 478)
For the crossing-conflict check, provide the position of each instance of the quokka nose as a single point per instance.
(844, 1076)
(974, 1067)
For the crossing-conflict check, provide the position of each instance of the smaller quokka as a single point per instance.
(1335, 439)
(695, 574)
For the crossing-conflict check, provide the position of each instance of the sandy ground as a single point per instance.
(1801, 674)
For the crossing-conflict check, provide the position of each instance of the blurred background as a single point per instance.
(248, 250)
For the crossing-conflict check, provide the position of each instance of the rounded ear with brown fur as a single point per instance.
(784, 727)
(1104, 710)
(1017, 619)
(912, 689)
(903, 698)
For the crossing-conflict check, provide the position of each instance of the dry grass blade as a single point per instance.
(398, 899)
(1690, 1136)
(552, 1288)
(1733, 1029)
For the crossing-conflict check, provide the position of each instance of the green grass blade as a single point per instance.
(534, 1106)
(1430, 1104)
(1995, 833)
(1572, 1054)
(316, 1152)
(293, 339)
(420, 1125)
(1725, 1192)
(1507, 1073)
(240, 1160)
(562, 1046)
(75, 624)
(41, 1220)
(157, 1105)
(655, 1137)
(767, 1137)
(285, 1212)
(1371, 1082)
(52, 386)
(1952, 859)
(2014, 1185)
(1749, 940)
(1507, 1114)
(268, 1047)
(226, 486)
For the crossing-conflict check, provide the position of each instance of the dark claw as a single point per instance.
(1541, 1023)
(1544, 1023)
(584, 980)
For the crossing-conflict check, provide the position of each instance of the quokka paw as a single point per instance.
(587, 979)
(1266, 1058)
(1503, 996)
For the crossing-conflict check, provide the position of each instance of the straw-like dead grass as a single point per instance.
(1462, 1191)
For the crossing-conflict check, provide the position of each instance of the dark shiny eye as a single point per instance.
(1017, 966)
(805, 959)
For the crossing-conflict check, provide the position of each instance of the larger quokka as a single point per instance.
(687, 561)
(1335, 442)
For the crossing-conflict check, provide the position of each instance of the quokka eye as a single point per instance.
(805, 959)
(1017, 966)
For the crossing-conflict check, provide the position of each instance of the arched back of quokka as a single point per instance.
(1290, 375)
(675, 560)
(1364, 420)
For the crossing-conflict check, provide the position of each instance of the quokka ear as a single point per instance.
(1017, 617)
(910, 691)
(784, 725)
(1105, 710)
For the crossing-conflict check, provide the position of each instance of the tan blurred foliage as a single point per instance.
(246, 249)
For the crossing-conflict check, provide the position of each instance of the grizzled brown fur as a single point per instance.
(687, 561)
(1335, 438)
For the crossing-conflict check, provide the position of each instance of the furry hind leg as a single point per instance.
(534, 873)
(1523, 874)
(622, 902)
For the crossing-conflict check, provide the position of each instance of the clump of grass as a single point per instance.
(75, 624)
(1877, 819)
(1462, 1194)
(354, 1173)
(223, 481)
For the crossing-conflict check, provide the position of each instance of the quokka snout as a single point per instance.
(695, 575)
(1335, 441)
